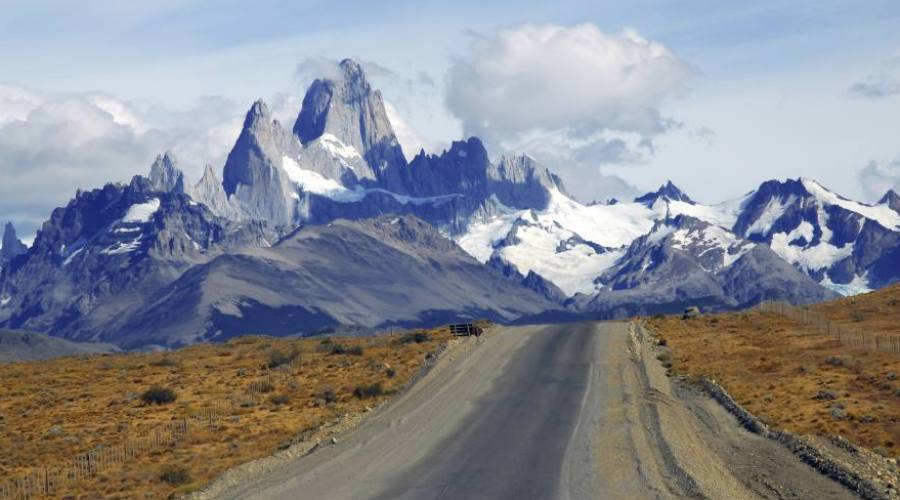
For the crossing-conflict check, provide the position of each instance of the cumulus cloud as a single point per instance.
(554, 77)
(876, 179)
(52, 144)
(579, 88)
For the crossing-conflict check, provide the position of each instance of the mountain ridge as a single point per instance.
(95, 262)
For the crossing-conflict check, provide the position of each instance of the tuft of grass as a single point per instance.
(157, 395)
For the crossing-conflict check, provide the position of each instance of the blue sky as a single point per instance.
(770, 91)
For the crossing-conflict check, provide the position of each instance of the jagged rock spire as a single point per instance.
(668, 191)
(347, 108)
(165, 175)
(891, 199)
(12, 246)
(254, 170)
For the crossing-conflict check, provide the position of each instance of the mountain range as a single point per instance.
(325, 226)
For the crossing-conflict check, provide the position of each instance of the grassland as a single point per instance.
(52, 410)
(795, 377)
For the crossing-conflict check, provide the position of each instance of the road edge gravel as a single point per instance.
(858, 469)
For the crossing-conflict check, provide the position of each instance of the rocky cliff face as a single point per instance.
(165, 175)
(255, 173)
(892, 200)
(347, 112)
(108, 250)
(839, 242)
(10, 246)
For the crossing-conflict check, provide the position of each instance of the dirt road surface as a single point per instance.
(564, 411)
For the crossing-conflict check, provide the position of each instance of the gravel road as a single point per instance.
(564, 411)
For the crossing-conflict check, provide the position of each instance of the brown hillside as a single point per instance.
(53, 410)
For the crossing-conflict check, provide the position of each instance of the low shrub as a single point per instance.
(278, 357)
(327, 394)
(158, 396)
(368, 391)
(175, 475)
(415, 337)
(279, 399)
(354, 350)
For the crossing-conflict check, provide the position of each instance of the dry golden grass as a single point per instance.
(52, 410)
(777, 369)
(877, 312)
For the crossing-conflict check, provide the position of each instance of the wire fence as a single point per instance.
(52, 479)
(871, 341)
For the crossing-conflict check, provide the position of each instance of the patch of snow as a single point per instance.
(607, 225)
(881, 214)
(856, 287)
(316, 183)
(773, 211)
(722, 215)
(659, 233)
(337, 147)
(479, 239)
(123, 247)
(70, 257)
(713, 238)
(810, 258)
(142, 212)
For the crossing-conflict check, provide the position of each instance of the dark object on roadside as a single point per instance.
(691, 312)
(466, 329)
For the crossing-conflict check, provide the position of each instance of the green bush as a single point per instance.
(158, 396)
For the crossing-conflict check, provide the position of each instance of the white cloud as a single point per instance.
(876, 179)
(593, 98)
(51, 144)
(554, 77)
